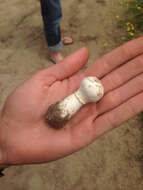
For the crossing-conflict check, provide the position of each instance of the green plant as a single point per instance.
(133, 19)
(139, 157)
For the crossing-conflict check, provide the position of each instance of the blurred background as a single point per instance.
(112, 162)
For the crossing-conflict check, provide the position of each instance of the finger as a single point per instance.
(88, 110)
(82, 134)
(70, 65)
(108, 120)
(116, 58)
(123, 74)
(119, 115)
(116, 77)
(120, 95)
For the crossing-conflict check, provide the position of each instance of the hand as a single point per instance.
(25, 137)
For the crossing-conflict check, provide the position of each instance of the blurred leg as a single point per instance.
(52, 14)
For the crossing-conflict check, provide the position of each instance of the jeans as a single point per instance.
(52, 14)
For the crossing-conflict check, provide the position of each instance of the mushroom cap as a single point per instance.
(91, 89)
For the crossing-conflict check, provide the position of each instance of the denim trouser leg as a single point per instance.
(52, 14)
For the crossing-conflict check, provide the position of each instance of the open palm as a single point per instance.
(25, 137)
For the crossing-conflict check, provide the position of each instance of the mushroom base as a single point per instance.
(54, 118)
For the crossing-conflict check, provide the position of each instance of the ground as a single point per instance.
(108, 163)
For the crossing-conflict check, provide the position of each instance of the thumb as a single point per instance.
(70, 65)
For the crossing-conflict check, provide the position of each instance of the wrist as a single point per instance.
(2, 162)
(2, 149)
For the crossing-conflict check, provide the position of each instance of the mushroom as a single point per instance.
(90, 90)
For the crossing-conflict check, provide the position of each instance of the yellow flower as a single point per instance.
(138, 7)
(132, 27)
(121, 3)
(128, 28)
(128, 23)
(105, 44)
(131, 33)
(117, 16)
(123, 38)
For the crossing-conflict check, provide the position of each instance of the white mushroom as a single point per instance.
(91, 90)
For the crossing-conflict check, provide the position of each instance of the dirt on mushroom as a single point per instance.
(54, 118)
